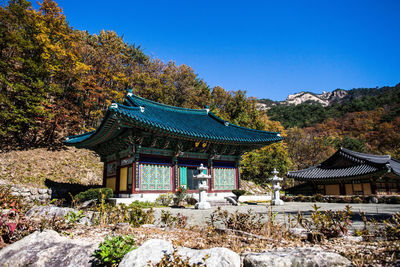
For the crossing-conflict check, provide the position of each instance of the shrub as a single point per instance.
(328, 223)
(381, 199)
(238, 193)
(8, 201)
(287, 198)
(176, 260)
(112, 250)
(94, 193)
(347, 199)
(137, 216)
(73, 218)
(392, 227)
(191, 200)
(169, 220)
(319, 198)
(180, 194)
(393, 200)
(356, 200)
(165, 199)
(299, 198)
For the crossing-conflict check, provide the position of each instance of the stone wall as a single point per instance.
(32, 194)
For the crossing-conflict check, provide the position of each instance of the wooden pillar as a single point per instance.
(342, 188)
(104, 173)
(175, 172)
(118, 173)
(136, 173)
(211, 167)
(374, 189)
(238, 173)
(387, 187)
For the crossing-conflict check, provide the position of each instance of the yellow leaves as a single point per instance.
(82, 67)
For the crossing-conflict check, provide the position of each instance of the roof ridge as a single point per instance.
(352, 153)
(132, 96)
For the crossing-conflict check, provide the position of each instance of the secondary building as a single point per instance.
(151, 148)
(349, 173)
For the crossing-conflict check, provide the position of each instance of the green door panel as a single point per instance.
(183, 176)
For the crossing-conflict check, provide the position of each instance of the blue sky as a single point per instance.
(268, 48)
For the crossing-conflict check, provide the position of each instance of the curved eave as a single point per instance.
(119, 117)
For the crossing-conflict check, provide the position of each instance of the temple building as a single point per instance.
(349, 173)
(151, 148)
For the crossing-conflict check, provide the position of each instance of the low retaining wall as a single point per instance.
(32, 194)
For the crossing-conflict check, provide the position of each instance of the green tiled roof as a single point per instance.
(193, 124)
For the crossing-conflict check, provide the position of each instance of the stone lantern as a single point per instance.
(203, 187)
(276, 187)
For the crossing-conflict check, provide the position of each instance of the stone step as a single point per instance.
(219, 203)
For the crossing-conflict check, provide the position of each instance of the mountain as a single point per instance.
(305, 109)
(324, 99)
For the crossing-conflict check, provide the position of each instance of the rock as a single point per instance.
(148, 225)
(295, 257)
(88, 203)
(33, 191)
(231, 200)
(42, 191)
(48, 248)
(220, 257)
(48, 212)
(152, 250)
(122, 227)
(16, 194)
(373, 199)
(350, 238)
(301, 232)
(43, 197)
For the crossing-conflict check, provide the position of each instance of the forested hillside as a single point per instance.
(356, 100)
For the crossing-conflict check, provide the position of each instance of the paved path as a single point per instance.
(377, 211)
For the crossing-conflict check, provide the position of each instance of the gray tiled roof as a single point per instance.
(357, 164)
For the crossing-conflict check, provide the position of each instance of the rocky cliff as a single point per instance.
(324, 99)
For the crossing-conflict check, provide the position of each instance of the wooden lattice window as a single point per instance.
(224, 178)
(155, 177)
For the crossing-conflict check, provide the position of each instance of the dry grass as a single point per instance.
(33, 167)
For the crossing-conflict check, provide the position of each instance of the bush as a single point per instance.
(347, 199)
(169, 220)
(180, 195)
(94, 193)
(165, 199)
(319, 198)
(328, 223)
(238, 193)
(191, 200)
(393, 200)
(392, 227)
(299, 198)
(112, 251)
(356, 200)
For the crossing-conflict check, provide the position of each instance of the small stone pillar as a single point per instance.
(203, 188)
(276, 187)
